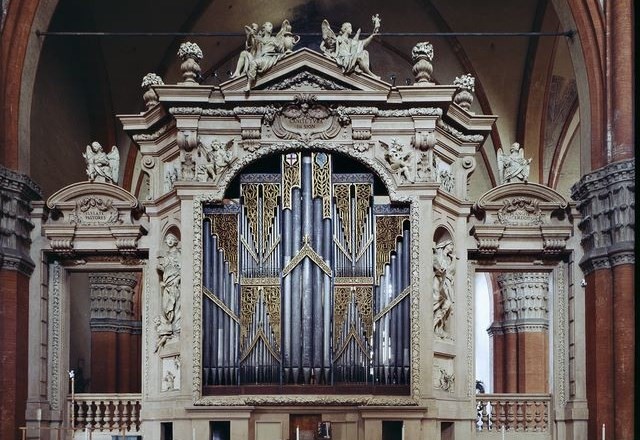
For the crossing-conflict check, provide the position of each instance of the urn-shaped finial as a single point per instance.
(190, 54)
(150, 96)
(422, 55)
(466, 85)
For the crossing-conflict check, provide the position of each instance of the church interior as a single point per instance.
(317, 219)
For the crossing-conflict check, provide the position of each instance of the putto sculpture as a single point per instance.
(349, 52)
(263, 50)
(513, 167)
(102, 167)
(398, 159)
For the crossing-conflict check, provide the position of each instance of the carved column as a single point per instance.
(115, 333)
(607, 204)
(17, 192)
(521, 333)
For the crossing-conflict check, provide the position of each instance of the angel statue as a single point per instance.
(263, 50)
(398, 159)
(217, 156)
(102, 167)
(349, 53)
(513, 167)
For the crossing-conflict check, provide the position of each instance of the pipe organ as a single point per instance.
(306, 280)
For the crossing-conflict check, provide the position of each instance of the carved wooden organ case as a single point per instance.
(306, 280)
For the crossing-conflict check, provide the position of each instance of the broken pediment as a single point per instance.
(521, 217)
(93, 215)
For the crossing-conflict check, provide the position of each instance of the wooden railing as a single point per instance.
(514, 412)
(107, 412)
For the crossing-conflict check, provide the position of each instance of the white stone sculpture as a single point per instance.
(217, 157)
(443, 276)
(398, 159)
(190, 54)
(466, 85)
(102, 167)
(150, 97)
(263, 50)
(169, 266)
(349, 53)
(513, 167)
(422, 55)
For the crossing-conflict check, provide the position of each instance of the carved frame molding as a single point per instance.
(84, 213)
(514, 215)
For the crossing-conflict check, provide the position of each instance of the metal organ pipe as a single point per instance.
(295, 274)
(307, 281)
(368, 350)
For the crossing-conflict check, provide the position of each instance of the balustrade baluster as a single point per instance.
(116, 414)
(135, 412)
(98, 417)
(107, 415)
(126, 418)
(519, 416)
(537, 416)
(528, 411)
(502, 414)
(80, 419)
(90, 414)
(486, 422)
(511, 416)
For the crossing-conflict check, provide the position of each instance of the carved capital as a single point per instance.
(606, 200)
(524, 298)
(17, 191)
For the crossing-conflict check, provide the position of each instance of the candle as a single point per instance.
(297, 433)
(86, 433)
(502, 432)
(603, 432)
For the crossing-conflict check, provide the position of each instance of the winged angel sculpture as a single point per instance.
(398, 159)
(102, 167)
(513, 167)
(349, 53)
(263, 50)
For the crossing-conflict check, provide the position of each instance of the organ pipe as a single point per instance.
(312, 288)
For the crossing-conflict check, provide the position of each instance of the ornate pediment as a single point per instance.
(519, 217)
(93, 215)
(307, 71)
(306, 81)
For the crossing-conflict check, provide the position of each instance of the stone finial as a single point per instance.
(466, 86)
(422, 54)
(150, 96)
(190, 54)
